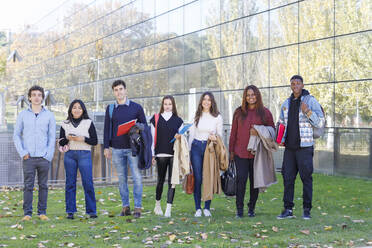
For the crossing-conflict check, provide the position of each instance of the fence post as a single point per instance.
(103, 164)
(370, 149)
(336, 148)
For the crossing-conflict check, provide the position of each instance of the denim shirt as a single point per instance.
(35, 135)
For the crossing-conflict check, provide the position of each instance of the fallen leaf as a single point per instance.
(307, 232)
(327, 228)
(275, 229)
(204, 236)
(358, 221)
(172, 237)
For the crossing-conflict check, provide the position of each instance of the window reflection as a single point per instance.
(283, 64)
(283, 26)
(316, 61)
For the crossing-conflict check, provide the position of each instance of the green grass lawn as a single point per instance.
(342, 217)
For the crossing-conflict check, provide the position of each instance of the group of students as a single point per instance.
(34, 138)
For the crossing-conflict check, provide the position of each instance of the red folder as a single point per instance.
(125, 127)
(280, 134)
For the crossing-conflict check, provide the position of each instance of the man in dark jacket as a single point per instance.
(299, 117)
(121, 154)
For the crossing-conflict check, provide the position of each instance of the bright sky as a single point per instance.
(15, 14)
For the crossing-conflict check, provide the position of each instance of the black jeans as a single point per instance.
(244, 167)
(300, 160)
(163, 164)
(30, 167)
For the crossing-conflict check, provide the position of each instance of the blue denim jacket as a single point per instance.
(306, 123)
(35, 135)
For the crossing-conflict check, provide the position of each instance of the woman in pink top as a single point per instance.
(251, 112)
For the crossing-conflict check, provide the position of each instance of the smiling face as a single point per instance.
(206, 103)
(296, 86)
(77, 110)
(36, 97)
(251, 97)
(167, 105)
(120, 93)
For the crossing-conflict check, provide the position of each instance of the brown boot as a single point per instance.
(125, 211)
(137, 212)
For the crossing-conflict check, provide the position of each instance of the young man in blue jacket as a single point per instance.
(34, 138)
(124, 111)
(299, 114)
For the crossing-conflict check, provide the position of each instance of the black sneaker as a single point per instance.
(251, 213)
(239, 215)
(70, 216)
(286, 214)
(306, 215)
(93, 216)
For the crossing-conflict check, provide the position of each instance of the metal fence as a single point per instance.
(341, 151)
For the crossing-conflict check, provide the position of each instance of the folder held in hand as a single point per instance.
(280, 133)
(125, 127)
(182, 131)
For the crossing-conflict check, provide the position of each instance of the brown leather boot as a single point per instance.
(125, 211)
(137, 212)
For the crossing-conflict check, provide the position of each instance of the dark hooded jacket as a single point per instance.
(140, 144)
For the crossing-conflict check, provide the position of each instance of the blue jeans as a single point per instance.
(121, 158)
(82, 160)
(197, 157)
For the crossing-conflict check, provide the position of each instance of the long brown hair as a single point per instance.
(174, 108)
(213, 110)
(260, 110)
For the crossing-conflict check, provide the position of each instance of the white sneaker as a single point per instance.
(157, 209)
(168, 210)
(198, 213)
(207, 213)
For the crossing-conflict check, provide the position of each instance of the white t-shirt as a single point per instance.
(208, 124)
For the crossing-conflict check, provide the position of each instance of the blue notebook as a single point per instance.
(182, 131)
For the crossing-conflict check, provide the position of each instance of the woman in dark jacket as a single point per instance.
(167, 127)
(251, 112)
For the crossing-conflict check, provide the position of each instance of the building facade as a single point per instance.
(186, 47)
